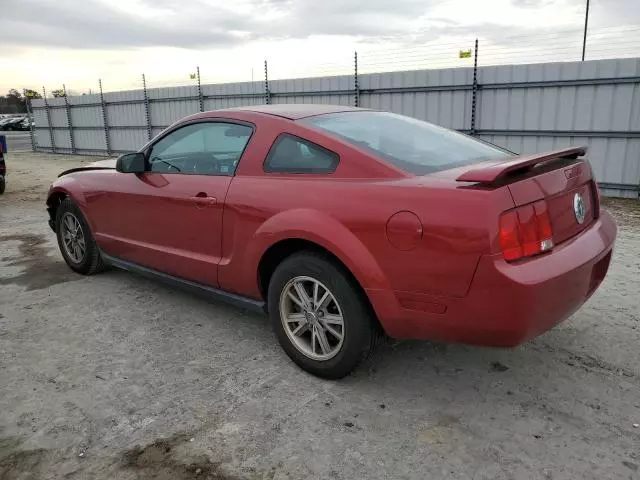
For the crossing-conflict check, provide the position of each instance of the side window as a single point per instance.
(206, 148)
(290, 154)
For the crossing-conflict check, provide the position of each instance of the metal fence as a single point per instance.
(525, 108)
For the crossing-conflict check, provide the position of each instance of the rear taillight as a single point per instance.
(525, 231)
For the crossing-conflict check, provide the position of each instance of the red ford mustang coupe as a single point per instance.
(344, 223)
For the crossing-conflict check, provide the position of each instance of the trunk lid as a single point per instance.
(564, 181)
(570, 194)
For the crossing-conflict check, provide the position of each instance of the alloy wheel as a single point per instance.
(73, 238)
(312, 318)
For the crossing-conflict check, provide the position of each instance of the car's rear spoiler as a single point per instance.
(492, 172)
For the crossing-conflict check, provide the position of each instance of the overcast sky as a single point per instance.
(50, 42)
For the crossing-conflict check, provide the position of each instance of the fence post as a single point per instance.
(27, 102)
(474, 95)
(267, 92)
(105, 124)
(200, 98)
(46, 108)
(356, 93)
(146, 106)
(67, 107)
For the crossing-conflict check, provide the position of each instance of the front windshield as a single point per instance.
(414, 146)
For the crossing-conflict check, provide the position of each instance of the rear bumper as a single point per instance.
(508, 303)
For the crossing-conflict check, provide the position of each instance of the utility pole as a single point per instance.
(586, 23)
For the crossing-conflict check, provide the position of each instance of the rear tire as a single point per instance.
(75, 240)
(326, 338)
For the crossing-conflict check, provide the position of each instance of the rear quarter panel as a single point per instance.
(348, 216)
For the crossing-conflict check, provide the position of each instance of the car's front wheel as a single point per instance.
(75, 240)
(319, 316)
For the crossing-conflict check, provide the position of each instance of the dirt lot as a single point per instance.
(115, 376)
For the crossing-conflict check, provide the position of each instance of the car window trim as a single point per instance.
(146, 149)
(310, 171)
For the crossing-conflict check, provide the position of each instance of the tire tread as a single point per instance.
(94, 264)
(369, 329)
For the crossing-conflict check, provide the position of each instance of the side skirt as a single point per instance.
(197, 288)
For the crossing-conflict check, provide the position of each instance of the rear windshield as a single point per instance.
(412, 145)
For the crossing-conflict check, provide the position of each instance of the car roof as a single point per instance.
(293, 111)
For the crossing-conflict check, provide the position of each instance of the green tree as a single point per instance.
(31, 94)
(13, 93)
(58, 93)
(13, 102)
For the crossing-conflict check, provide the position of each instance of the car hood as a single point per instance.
(107, 164)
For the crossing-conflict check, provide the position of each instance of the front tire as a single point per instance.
(75, 240)
(319, 316)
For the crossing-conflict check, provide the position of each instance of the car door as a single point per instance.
(169, 218)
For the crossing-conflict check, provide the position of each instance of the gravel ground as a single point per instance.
(118, 377)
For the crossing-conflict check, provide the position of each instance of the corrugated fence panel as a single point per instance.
(606, 155)
(86, 116)
(165, 113)
(184, 102)
(126, 114)
(233, 95)
(525, 108)
(40, 117)
(314, 90)
(58, 117)
(89, 140)
(42, 137)
(224, 90)
(445, 97)
(84, 99)
(568, 112)
(249, 93)
(62, 140)
(631, 168)
(131, 140)
(295, 89)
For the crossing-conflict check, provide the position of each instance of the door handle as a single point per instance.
(201, 199)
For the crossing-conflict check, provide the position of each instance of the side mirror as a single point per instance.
(131, 163)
